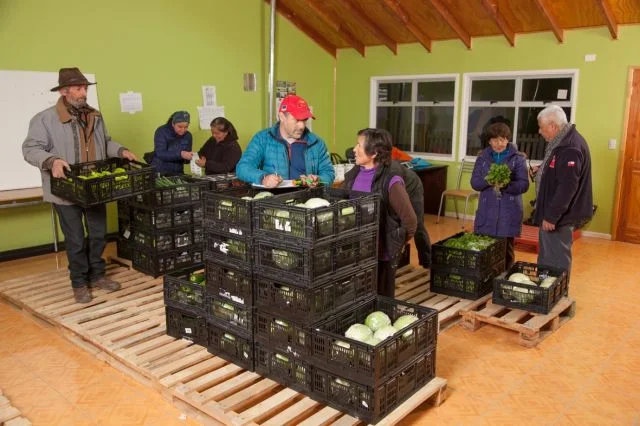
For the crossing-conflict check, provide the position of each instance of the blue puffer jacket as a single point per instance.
(167, 147)
(500, 217)
(268, 153)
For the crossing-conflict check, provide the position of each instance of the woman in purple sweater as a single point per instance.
(375, 172)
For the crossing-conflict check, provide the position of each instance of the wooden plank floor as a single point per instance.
(532, 328)
(10, 415)
(127, 329)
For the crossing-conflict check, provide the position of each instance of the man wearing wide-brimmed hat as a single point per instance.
(72, 132)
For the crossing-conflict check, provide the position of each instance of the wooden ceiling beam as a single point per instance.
(555, 27)
(300, 24)
(334, 23)
(451, 20)
(364, 21)
(398, 11)
(605, 8)
(492, 9)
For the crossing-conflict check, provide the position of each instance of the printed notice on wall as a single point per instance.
(207, 114)
(131, 102)
(209, 96)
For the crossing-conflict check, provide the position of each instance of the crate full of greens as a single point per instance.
(531, 287)
(315, 215)
(469, 250)
(185, 289)
(369, 342)
(153, 263)
(183, 324)
(172, 190)
(99, 182)
(234, 347)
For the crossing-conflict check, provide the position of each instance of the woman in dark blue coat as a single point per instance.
(172, 145)
(500, 215)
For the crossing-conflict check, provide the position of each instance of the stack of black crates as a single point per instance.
(161, 230)
(190, 308)
(466, 273)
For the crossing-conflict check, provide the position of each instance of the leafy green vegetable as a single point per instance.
(376, 320)
(470, 241)
(499, 176)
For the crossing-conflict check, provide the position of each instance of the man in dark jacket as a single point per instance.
(414, 188)
(563, 182)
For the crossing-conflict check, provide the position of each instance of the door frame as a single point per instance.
(617, 212)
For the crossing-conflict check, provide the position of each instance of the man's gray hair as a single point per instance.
(554, 114)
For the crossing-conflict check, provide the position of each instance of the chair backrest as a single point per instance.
(336, 158)
(466, 166)
(350, 155)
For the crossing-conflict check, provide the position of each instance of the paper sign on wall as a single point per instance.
(131, 102)
(207, 114)
(209, 96)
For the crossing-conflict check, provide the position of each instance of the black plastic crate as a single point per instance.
(227, 211)
(223, 182)
(235, 317)
(124, 210)
(283, 217)
(229, 249)
(182, 292)
(165, 240)
(529, 297)
(124, 248)
(124, 242)
(279, 332)
(168, 217)
(309, 305)
(283, 368)
(228, 282)
(78, 188)
(461, 282)
(171, 191)
(366, 364)
(152, 263)
(442, 255)
(373, 403)
(186, 325)
(308, 266)
(234, 347)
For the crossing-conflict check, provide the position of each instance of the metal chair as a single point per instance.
(336, 159)
(465, 167)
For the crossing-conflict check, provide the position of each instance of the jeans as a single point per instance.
(84, 255)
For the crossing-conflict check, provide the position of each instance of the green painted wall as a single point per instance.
(166, 50)
(602, 87)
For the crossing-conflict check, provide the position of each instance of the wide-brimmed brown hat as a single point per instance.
(70, 77)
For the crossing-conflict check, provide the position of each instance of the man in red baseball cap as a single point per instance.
(287, 150)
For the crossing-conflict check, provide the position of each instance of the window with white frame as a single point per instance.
(515, 99)
(418, 111)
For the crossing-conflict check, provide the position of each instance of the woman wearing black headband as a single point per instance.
(173, 145)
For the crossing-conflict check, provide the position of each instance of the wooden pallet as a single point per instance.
(127, 329)
(412, 285)
(531, 327)
(10, 415)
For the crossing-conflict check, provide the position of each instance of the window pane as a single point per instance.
(397, 120)
(433, 129)
(493, 90)
(479, 119)
(436, 91)
(546, 89)
(394, 92)
(528, 139)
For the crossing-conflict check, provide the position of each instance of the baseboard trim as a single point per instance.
(24, 252)
(600, 235)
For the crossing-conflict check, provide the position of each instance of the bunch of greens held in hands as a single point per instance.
(499, 176)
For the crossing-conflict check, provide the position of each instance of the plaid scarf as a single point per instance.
(548, 150)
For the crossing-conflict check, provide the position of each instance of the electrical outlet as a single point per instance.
(612, 144)
(591, 57)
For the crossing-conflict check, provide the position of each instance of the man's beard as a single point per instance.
(78, 103)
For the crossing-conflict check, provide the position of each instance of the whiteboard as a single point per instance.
(23, 94)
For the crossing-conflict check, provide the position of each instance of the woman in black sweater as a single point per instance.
(221, 152)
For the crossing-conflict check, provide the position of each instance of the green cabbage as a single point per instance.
(373, 341)
(385, 332)
(284, 259)
(314, 203)
(359, 332)
(377, 320)
(404, 321)
(262, 194)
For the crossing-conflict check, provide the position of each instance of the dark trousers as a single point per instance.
(423, 243)
(84, 255)
(387, 278)
(511, 253)
(555, 247)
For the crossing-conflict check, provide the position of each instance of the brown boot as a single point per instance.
(105, 284)
(82, 294)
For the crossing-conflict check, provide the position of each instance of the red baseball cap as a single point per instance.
(297, 107)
